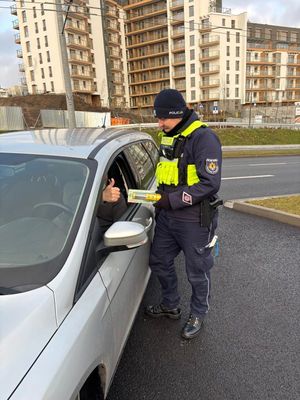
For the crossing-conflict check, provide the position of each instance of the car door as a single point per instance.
(125, 273)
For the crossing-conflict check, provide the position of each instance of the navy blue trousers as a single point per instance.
(172, 236)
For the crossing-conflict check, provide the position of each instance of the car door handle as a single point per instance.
(149, 223)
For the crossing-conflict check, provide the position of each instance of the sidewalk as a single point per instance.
(270, 213)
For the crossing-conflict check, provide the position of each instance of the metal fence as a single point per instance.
(11, 119)
(84, 119)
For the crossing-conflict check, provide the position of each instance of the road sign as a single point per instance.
(215, 109)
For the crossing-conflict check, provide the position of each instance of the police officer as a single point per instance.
(188, 178)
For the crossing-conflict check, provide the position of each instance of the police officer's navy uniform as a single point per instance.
(191, 180)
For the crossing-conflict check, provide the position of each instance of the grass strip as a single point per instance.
(289, 204)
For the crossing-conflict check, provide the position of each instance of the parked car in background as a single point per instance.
(69, 290)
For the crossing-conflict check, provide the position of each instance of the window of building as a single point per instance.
(268, 33)
(227, 79)
(44, 87)
(237, 79)
(193, 81)
(257, 33)
(227, 92)
(237, 65)
(38, 43)
(44, 25)
(34, 12)
(192, 54)
(42, 9)
(26, 33)
(48, 56)
(42, 73)
(238, 37)
(193, 94)
(24, 19)
(30, 61)
(191, 25)
(32, 75)
(237, 51)
(192, 40)
(192, 68)
(191, 11)
(46, 41)
(50, 72)
(228, 36)
(293, 37)
(223, 22)
(282, 35)
(233, 24)
(40, 58)
(227, 65)
(28, 46)
(36, 27)
(237, 92)
(228, 51)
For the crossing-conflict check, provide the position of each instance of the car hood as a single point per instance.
(27, 322)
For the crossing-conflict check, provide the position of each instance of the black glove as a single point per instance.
(164, 202)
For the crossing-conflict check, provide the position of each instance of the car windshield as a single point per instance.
(39, 201)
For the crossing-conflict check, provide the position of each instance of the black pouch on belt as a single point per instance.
(207, 213)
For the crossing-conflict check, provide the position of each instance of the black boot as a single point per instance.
(192, 327)
(160, 310)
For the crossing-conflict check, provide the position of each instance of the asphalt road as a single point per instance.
(249, 347)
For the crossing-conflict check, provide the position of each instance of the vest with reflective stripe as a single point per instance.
(167, 171)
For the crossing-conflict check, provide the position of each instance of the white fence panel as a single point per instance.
(11, 119)
(84, 119)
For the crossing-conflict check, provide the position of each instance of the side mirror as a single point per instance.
(125, 235)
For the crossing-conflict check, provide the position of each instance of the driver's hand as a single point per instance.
(111, 194)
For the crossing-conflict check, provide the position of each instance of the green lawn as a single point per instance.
(248, 137)
(289, 204)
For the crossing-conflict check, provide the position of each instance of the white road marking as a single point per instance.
(246, 177)
(257, 165)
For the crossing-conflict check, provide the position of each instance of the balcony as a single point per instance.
(80, 60)
(205, 26)
(213, 40)
(23, 81)
(16, 24)
(176, 4)
(212, 83)
(13, 9)
(21, 67)
(179, 60)
(177, 18)
(19, 53)
(178, 46)
(76, 27)
(209, 55)
(81, 87)
(211, 69)
(151, 24)
(72, 42)
(261, 60)
(177, 32)
(75, 73)
(17, 38)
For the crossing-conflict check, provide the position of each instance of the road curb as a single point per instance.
(270, 213)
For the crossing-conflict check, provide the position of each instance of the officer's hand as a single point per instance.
(164, 202)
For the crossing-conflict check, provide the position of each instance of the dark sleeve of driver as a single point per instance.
(207, 154)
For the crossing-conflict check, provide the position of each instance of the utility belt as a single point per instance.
(208, 209)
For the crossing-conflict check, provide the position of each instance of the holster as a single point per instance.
(208, 209)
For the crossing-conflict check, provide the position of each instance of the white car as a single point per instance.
(70, 286)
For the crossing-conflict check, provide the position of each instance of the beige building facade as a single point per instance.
(122, 53)
(88, 55)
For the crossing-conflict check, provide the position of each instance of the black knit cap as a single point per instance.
(169, 103)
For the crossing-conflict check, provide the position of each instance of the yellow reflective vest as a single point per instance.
(167, 171)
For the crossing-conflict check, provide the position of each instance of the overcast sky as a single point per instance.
(272, 12)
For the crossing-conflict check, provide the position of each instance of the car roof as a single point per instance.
(78, 142)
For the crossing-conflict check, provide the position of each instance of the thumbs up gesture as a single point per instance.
(111, 194)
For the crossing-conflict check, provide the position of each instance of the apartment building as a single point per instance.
(93, 62)
(273, 64)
